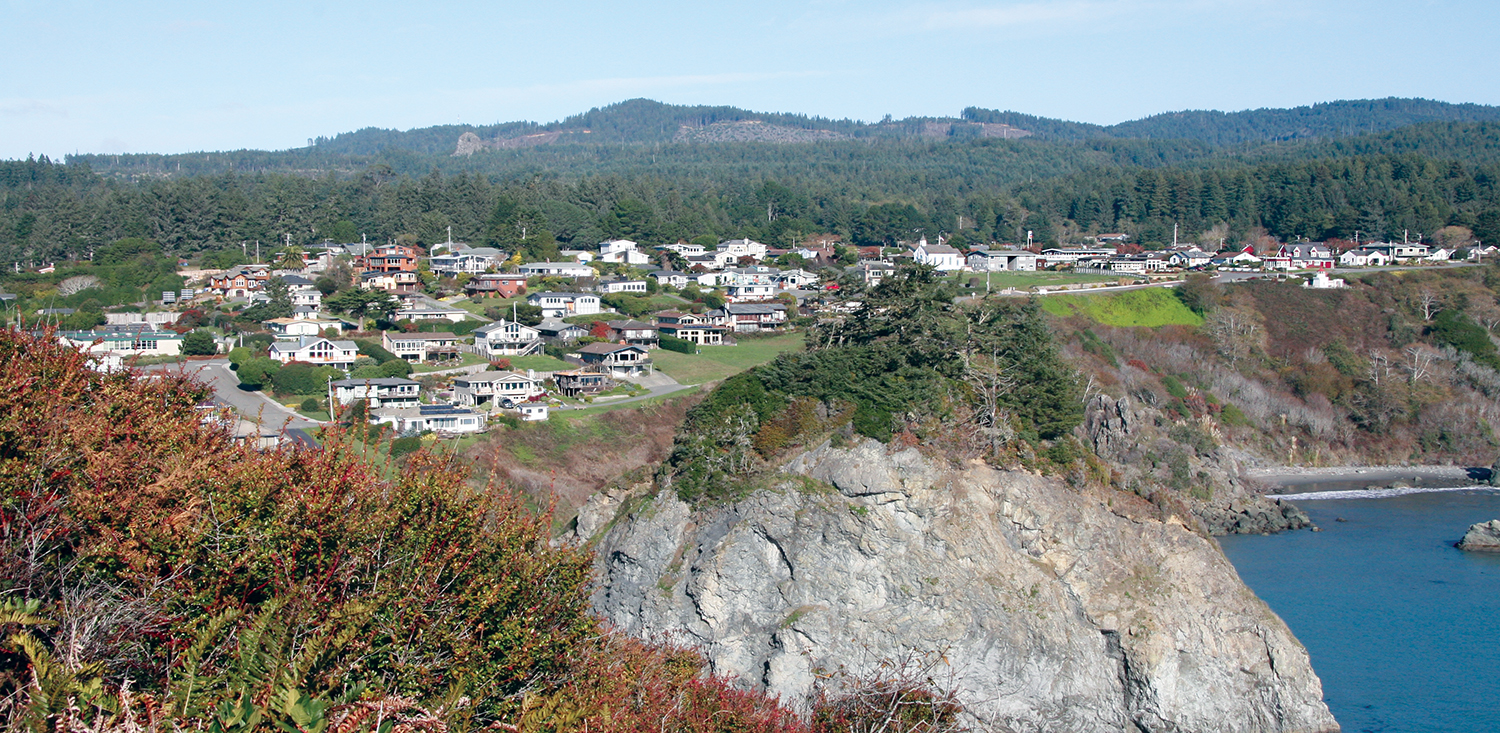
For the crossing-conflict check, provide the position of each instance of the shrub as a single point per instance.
(258, 372)
(310, 405)
(199, 343)
(405, 446)
(681, 346)
(395, 368)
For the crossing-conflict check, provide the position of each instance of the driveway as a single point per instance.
(254, 406)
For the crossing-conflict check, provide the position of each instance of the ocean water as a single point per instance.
(1403, 628)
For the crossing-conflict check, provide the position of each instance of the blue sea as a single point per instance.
(1403, 628)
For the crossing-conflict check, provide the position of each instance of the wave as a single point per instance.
(1376, 493)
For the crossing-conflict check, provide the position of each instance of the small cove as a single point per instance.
(1400, 625)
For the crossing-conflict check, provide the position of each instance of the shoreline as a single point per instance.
(1376, 493)
(1288, 476)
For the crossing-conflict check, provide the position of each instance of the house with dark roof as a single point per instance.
(616, 360)
(633, 332)
(378, 391)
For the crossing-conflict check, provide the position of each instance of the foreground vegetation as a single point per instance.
(156, 576)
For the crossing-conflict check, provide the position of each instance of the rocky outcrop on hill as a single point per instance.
(1187, 459)
(1482, 537)
(1054, 608)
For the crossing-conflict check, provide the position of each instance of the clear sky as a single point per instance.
(168, 76)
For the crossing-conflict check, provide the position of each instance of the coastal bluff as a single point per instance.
(1482, 537)
(1053, 608)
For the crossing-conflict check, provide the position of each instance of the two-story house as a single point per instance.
(389, 258)
(1002, 260)
(939, 256)
(748, 318)
(737, 248)
(507, 338)
(689, 327)
(501, 388)
(421, 347)
(290, 328)
(633, 332)
(581, 382)
(316, 350)
(498, 285)
(557, 269)
(562, 305)
(378, 391)
(616, 360)
(623, 251)
(240, 281)
(400, 282)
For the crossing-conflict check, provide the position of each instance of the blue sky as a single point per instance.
(178, 76)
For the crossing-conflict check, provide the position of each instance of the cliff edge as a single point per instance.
(1053, 609)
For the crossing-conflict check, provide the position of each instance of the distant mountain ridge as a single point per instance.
(649, 121)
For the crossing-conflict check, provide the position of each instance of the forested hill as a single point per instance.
(597, 140)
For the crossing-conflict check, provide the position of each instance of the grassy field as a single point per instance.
(539, 363)
(719, 362)
(1148, 307)
(1028, 280)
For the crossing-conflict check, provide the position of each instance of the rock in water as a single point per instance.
(1482, 537)
(1055, 609)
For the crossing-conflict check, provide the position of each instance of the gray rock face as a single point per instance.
(1125, 432)
(1482, 537)
(1054, 610)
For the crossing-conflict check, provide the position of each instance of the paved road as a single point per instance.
(226, 386)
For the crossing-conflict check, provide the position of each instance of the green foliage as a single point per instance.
(681, 346)
(299, 378)
(257, 372)
(1453, 328)
(310, 404)
(1148, 307)
(908, 356)
(405, 446)
(199, 343)
(375, 351)
(395, 368)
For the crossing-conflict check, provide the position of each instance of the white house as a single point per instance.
(558, 269)
(671, 278)
(430, 313)
(290, 328)
(1363, 257)
(503, 388)
(737, 248)
(467, 260)
(562, 305)
(622, 250)
(622, 286)
(422, 418)
(1321, 281)
(940, 256)
(797, 279)
(1067, 255)
(687, 250)
(507, 338)
(316, 350)
(378, 391)
(114, 347)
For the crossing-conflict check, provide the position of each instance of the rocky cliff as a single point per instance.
(1189, 459)
(1055, 609)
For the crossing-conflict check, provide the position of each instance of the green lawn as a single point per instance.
(1147, 307)
(719, 362)
(606, 407)
(1028, 280)
(539, 363)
